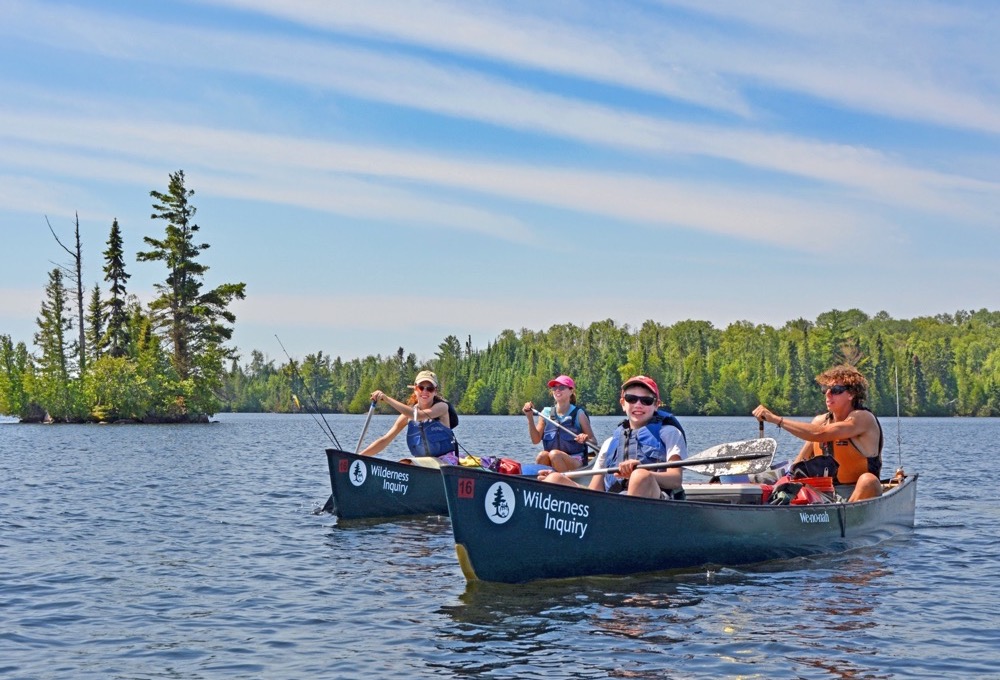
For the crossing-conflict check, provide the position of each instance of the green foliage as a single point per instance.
(116, 337)
(169, 362)
(947, 365)
(194, 322)
(16, 372)
(118, 369)
(115, 390)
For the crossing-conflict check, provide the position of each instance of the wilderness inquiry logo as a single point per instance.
(358, 473)
(500, 502)
(563, 517)
(393, 481)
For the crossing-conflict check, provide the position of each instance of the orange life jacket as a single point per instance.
(853, 463)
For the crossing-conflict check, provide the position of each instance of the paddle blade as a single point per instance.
(765, 448)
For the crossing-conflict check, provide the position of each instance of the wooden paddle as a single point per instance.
(753, 455)
(589, 444)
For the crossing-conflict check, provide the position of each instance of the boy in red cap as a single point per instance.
(648, 435)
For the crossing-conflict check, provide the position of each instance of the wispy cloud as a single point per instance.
(715, 128)
(353, 188)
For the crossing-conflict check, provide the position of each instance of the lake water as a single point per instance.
(193, 552)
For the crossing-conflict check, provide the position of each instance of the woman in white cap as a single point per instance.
(428, 420)
(562, 451)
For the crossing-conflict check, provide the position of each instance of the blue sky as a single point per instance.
(384, 174)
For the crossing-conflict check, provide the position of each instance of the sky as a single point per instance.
(383, 174)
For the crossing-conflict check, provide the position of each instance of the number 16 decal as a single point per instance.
(466, 488)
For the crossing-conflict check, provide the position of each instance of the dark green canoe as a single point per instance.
(516, 529)
(368, 487)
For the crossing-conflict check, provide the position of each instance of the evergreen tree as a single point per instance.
(193, 322)
(96, 338)
(15, 373)
(918, 387)
(55, 365)
(114, 273)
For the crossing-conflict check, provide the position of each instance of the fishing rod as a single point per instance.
(899, 437)
(329, 430)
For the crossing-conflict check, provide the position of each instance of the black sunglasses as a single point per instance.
(426, 388)
(833, 389)
(632, 398)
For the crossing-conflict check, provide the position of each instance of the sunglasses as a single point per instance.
(632, 398)
(558, 388)
(426, 388)
(833, 389)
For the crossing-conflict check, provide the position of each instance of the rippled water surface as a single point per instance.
(193, 552)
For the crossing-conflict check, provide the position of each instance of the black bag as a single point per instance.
(784, 493)
(817, 466)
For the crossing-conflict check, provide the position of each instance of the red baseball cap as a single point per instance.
(646, 382)
(563, 380)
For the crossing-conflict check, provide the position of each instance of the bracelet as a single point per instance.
(781, 422)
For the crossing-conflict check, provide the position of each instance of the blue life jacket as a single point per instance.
(430, 438)
(649, 446)
(555, 438)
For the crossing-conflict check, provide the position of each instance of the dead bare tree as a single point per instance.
(77, 272)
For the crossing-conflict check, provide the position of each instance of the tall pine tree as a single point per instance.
(55, 364)
(96, 338)
(194, 322)
(116, 335)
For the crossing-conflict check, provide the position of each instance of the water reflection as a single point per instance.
(646, 626)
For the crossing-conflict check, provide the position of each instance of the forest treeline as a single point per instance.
(103, 356)
(944, 365)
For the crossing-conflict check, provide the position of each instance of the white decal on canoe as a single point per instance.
(565, 526)
(500, 502)
(815, 517)
(393, 481)
(553, 506)
(358, 473)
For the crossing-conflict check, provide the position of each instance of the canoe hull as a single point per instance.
(365, 487)
(518, 529)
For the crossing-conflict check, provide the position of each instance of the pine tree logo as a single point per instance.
(500, 502)
(358, 473)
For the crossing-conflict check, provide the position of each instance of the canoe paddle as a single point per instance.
(364, 430)
(589, 444)
(754, 455)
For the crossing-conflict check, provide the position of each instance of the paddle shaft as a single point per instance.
(671, 464)
(590, 446)
(364, 430)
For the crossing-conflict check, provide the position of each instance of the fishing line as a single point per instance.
(295, 372)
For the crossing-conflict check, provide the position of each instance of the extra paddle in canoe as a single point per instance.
(735, 458)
